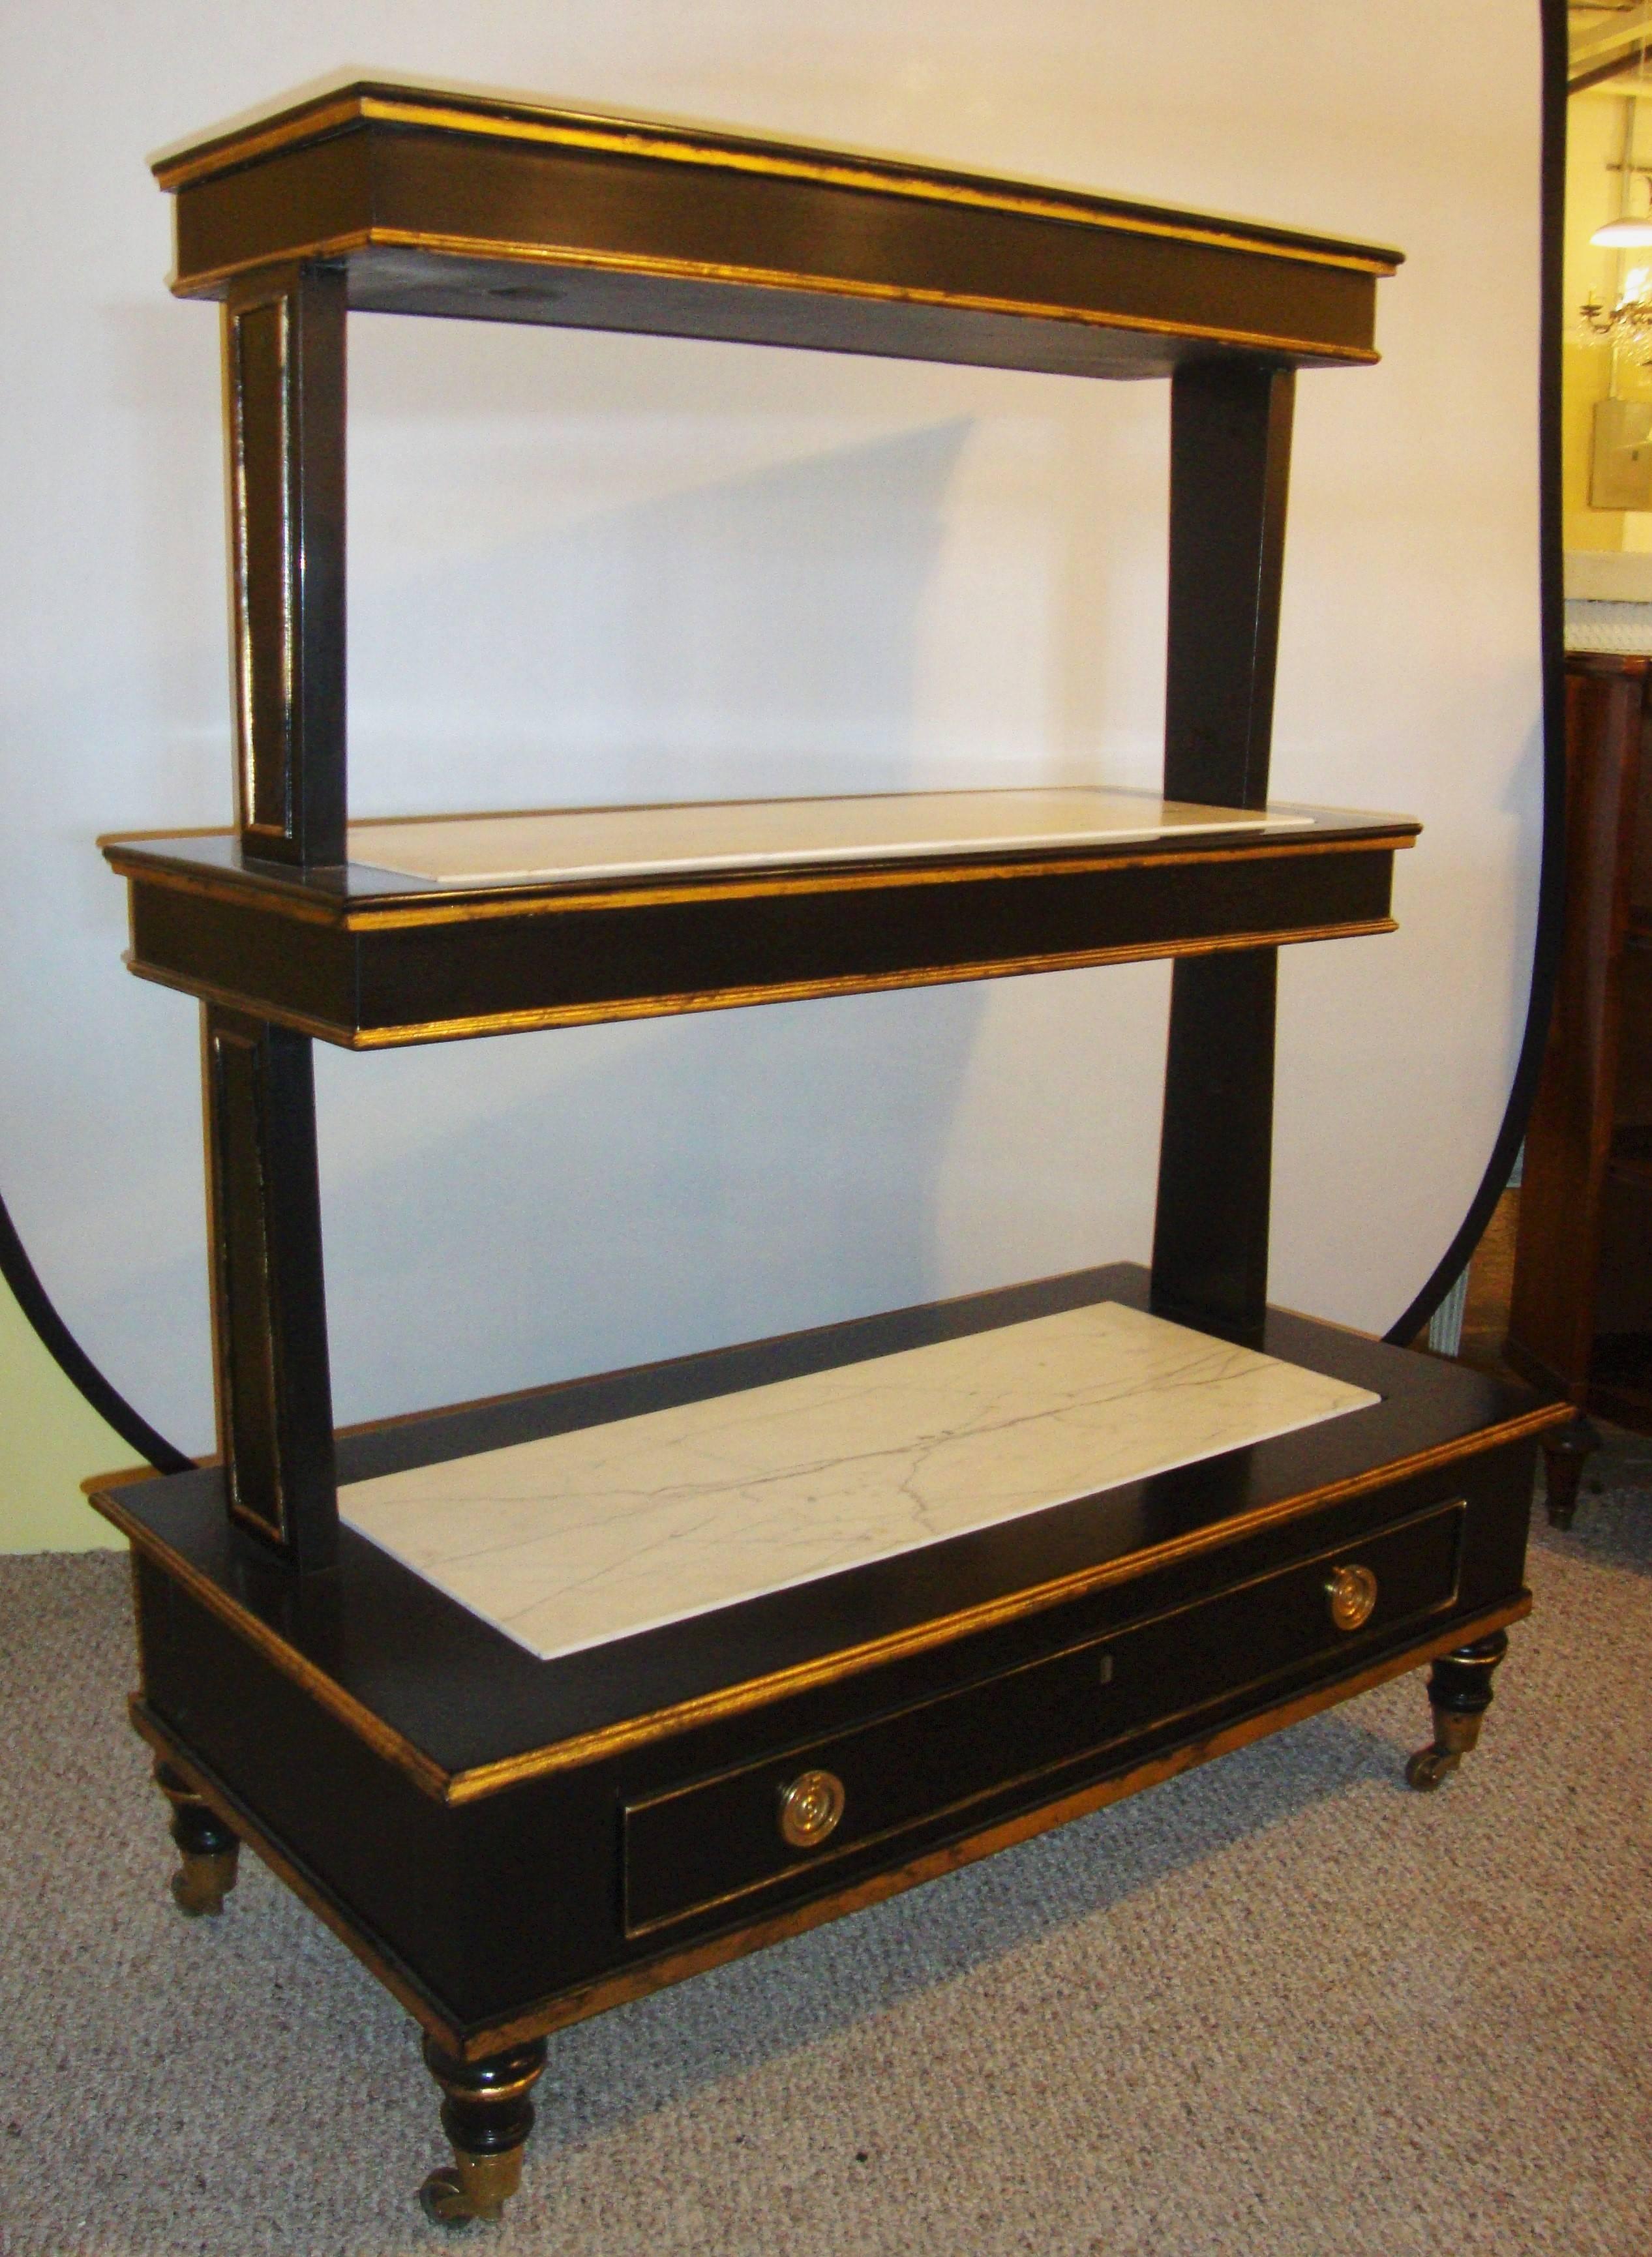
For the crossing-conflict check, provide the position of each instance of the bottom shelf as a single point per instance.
(457, 1698)
(514, 1841)
(580, 1537)
(656, 1958)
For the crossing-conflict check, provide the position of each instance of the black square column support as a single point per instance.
(269, 1305)
(1230, 440)
(284, 385)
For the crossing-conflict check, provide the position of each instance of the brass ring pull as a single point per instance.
(1352, 1592)
(809, 1808)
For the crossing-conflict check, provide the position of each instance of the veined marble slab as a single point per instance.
(577, 1538)
(576, 843)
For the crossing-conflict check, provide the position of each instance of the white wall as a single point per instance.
(589, 566)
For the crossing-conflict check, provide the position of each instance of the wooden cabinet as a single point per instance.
(945, 1627)
(1580, 1319)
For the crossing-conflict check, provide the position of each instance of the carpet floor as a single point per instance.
(1280, 2007)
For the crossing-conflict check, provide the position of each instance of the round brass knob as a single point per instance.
(1352, 1592)
(809, 1808)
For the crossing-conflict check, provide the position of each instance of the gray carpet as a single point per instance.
(1280, 2006)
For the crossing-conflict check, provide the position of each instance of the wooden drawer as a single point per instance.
(697, 1846)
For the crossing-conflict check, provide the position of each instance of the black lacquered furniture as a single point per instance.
(513, 1843)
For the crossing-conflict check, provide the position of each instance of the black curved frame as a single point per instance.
(20, 1272)
(1551, 875)
(107, 1400)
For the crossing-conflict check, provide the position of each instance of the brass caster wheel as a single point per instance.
(1429, 1768)
(474, 2187)
(487, 2117)
(444, 2201)
(208, 1850)
(201, 1885)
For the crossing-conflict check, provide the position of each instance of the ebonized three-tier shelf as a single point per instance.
(1204, 1519)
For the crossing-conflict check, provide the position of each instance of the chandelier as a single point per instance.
(1628, 324)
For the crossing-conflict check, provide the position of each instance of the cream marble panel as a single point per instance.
(611, 842)
(568, 1542)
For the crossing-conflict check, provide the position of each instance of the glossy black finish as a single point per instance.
(208, 1848)
(465, 1695)
(269, 1297)
(284, 392)
(1229, 471)
(488, 1907)
(485, 2109)
(1460, 1683)
(1215, 1154)
(513, 1841)
(450, 204)
(198, 1831)
(699, 1846)
(1459, 1695)
(1210, 1607)
(363, 961)
(1230, 440)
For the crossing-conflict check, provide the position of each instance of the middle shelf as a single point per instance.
(497, 924)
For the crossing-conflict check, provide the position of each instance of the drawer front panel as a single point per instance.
(693, 1847)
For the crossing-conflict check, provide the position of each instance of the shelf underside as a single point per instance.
(457, 1696)
(364, 957)
(452, 204)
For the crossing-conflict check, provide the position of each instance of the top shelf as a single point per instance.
(451, 204)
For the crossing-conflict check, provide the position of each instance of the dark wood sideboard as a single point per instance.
(513, 1843)
(1580, 1317)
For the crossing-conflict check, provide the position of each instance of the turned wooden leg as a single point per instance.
(207, 1848)
(1564, 1456)
(488, 2115)
(1459, 1693)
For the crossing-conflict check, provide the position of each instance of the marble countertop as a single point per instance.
(579, 1539)
(579, 843)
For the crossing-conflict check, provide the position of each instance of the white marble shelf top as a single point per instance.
(577, 1538)
(581, 843)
